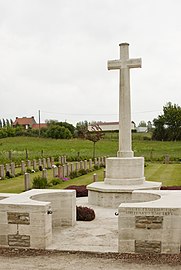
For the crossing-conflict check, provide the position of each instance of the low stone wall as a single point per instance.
(26, 222)
(152, 226)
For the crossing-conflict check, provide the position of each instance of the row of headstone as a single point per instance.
(66, 169)
(47, 163)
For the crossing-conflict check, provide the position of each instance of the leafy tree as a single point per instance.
(70, 127)
(4, 123)
(94, 136)
(1, 124)
(142, 124)
(81, 129)
(58, 132)
(7, 123)
(168, 125)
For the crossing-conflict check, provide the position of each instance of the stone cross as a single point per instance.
(124, 64)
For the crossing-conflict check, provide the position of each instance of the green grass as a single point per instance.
(168, 174)
(151, 150)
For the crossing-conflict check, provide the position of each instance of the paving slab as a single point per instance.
(98, 235)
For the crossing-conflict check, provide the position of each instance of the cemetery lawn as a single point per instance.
(168, 174)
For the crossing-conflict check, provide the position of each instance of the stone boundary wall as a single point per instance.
(153, 226)
(27, 219)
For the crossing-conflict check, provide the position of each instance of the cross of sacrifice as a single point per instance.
(124, 64)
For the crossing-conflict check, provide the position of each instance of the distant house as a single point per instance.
(28, 122)
(142, 129)
(110, 126)
(25, 122)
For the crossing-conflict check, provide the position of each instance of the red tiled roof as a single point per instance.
(24, 121)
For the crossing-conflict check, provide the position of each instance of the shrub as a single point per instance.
(74, 175)
(81, 191)
(55, 181)
(40, 182)
(85, 213)
(96, 167)
(83, 171)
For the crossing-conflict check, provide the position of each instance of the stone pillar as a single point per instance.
(64, 167)
(167, 159)
(95, 161)
(7, 167)
(72, 167)
(85, 164)
(27, 181)
(39, 162)
(34, 165)
(68, 169)
(99, 161)
(44, 163)
(102, 160)
(13, 169)
(90, 164)
(65, 159)
(48, 163)
(94, 177)
(2, 175)
(60, 171)
(22, 167)
(55, 171)
(60, 160)
(81, 165)
(52, 160)
(28, 164)
(77, 166)
(44, 173)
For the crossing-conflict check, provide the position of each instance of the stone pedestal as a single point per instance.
(123, 176)
(124, 171)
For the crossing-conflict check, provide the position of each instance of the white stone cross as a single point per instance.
(124, 64)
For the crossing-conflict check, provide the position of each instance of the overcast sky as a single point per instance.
(53, 57)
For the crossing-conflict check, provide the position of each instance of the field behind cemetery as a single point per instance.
(23, 148)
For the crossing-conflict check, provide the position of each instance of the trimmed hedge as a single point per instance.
(171, 188)
(81, 191)
(85, 213)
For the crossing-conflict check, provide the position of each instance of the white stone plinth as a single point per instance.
(112, 196)
(124, 171)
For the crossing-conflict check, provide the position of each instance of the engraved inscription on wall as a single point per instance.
(147, 246)
(18, 218)
(148, 222)
(16, 240)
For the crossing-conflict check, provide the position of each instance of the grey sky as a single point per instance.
(53, 57)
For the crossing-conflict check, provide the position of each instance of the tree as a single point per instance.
(1, 124)
(168, 125)
(4, 123)
(94, 136)
(58, 132)
(81, 129)
(142, 124)
(70, 127)
(7, 123)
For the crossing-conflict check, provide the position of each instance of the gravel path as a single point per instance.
(57, 260)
